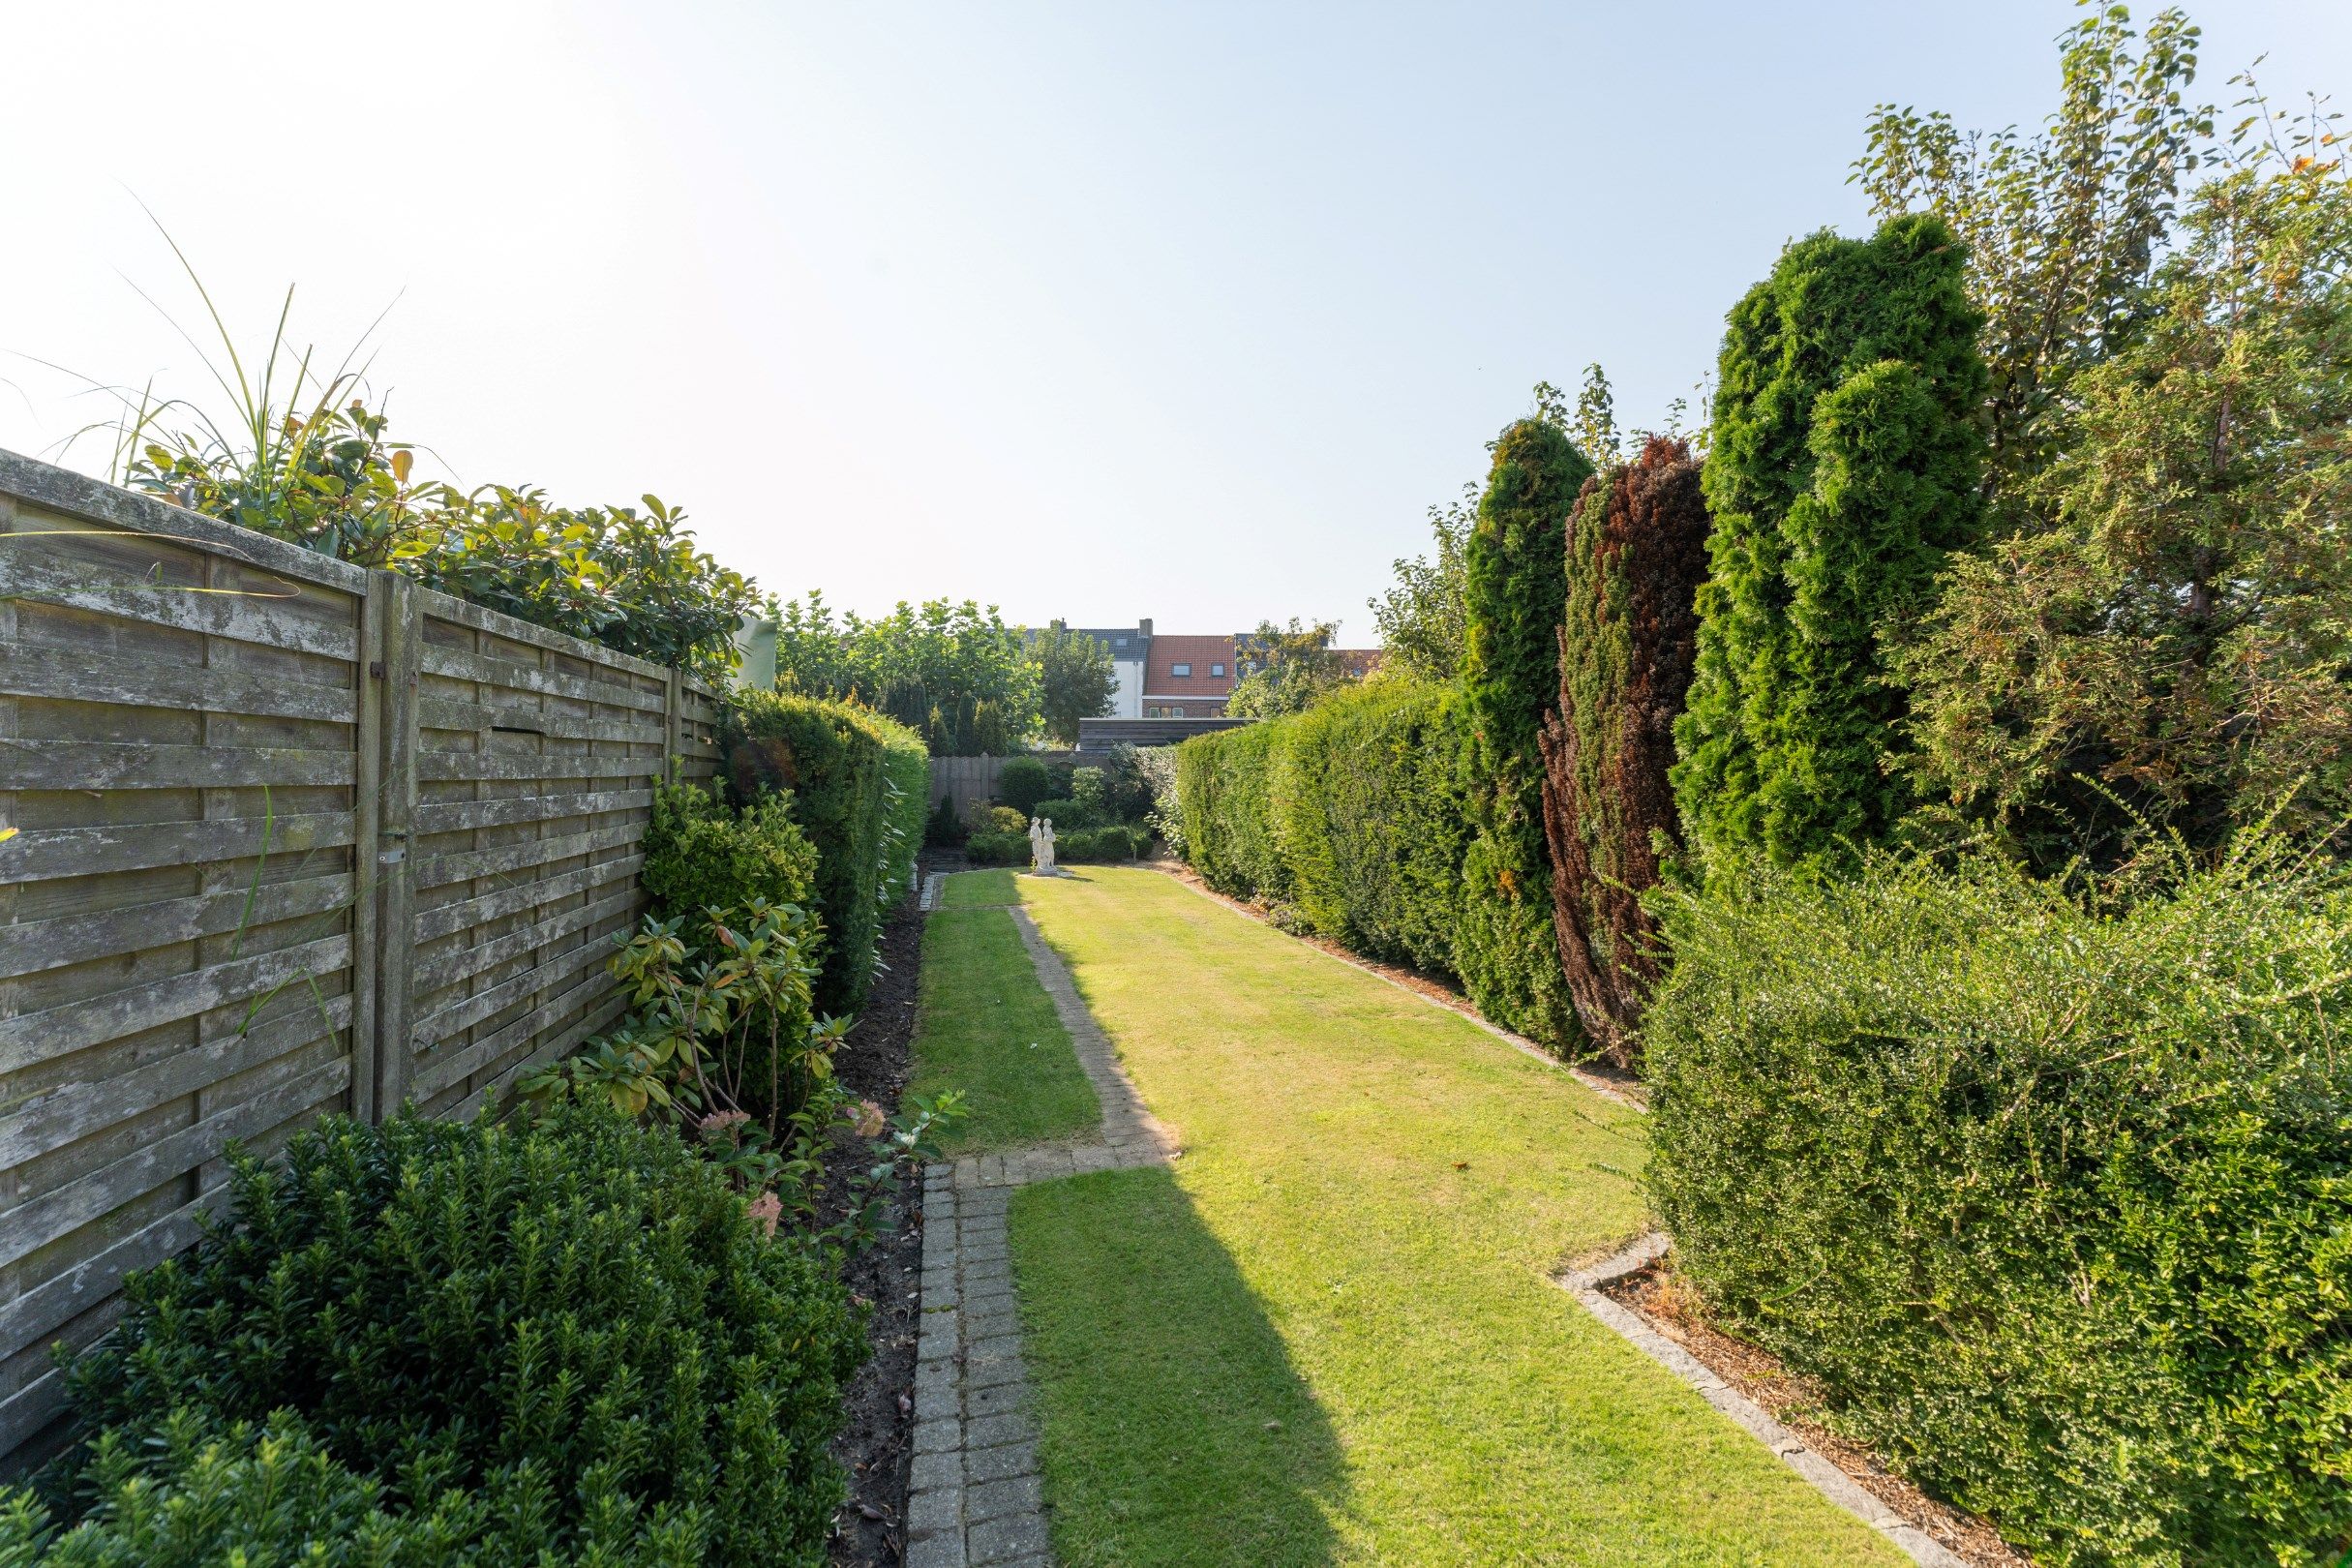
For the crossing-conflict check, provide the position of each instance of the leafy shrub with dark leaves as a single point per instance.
(2052, 1195)
(572, 1321)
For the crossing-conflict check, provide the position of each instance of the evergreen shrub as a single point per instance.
(1350, 817)
(505, 1343)
(2052, 1197)
(1023, 782)
(859, 782)
(1515, 593)
(700, 854)
(1637, 553)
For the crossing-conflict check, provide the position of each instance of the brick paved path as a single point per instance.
(973, 1497)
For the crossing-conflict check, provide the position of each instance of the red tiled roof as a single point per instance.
(1200, 652)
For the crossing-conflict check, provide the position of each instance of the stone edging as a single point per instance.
(975, 1495)
(1825, 1478)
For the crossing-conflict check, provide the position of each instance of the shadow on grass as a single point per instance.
(1175, 1429)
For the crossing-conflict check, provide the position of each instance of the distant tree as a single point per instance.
(1420, 619)
(1636, 553)
(1075, 680)
(954, 673)
(1291, 669)
(1516, 592)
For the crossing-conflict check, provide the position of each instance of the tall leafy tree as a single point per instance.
(1421, 616)
(1636, 553)
(1844, 464)
(953, 672)
(2170, 640)
(1516, 588)
(1075, 680)
(2064, 227)
(1291, 668)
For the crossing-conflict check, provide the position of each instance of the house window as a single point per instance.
(1180, 668)
(1217, 669)
(1175, 712)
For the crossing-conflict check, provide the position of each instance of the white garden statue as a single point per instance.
(1041, 847)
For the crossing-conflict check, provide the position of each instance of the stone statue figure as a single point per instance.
(1040, 846)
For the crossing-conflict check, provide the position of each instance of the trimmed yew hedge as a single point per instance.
(861, 791)
(1350, 818)
(2055, 1200)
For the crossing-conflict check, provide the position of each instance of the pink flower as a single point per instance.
(725, 1121)
(766, 1208)
(870, 1119)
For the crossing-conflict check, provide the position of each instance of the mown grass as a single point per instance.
(1357, 1245)
(968, 888)
(987, 1028)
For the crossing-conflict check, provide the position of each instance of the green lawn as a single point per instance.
(1356, 1247)
(968, 888)
(986, 1027)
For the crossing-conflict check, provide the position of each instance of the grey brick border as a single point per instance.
(975, 1495)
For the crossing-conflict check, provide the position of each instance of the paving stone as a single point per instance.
(990, 1432)
(996, 1347)
(994, 1499)
(996, 1464)
(988, 1402)
(1001, 1540)
(929, 1513)
(940, 1436)
(988, 1271)
(936, 1472)
(981, 1374)
(938, 1552)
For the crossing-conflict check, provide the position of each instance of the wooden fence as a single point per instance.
(293, 838)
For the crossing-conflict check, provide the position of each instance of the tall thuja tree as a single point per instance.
(1636, 553)
(1515, 590)
(1845, 467)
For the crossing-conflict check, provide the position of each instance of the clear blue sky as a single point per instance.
(1096, 311)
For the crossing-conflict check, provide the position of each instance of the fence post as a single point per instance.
(367, 806)
(396, 670)
(674, 722)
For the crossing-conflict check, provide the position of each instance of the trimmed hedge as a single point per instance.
(1351, 816)
(1096, 846)
(2053, 1200)
(860, 790)
(701, 855)
(561, 1340)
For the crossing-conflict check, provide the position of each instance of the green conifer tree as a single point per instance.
(1844, 465)
(1516, 588)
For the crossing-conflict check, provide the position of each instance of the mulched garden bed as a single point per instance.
(876, 1443)
(1668, 1305)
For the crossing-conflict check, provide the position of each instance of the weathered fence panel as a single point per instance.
(293, 838)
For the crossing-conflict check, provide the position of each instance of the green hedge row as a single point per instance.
(485, 1344)
(2055, 1200)
(1079, 846)
(1352, 816)
(860, 789)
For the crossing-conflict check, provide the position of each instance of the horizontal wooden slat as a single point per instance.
(38, 853)
(453, 1066)
(441, 766)
(468, 1012)
(32, 1225)
(448, 713)
(245, 617)
(72, 939)
(460, 664)
(51, 1032)
(81, 1109)
(31, 669)
(455, 816)
(444, 607)
(469, 959)
(432, 924)
(465, 866)
(92, 765)
(55, 1302)
(63, 490)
